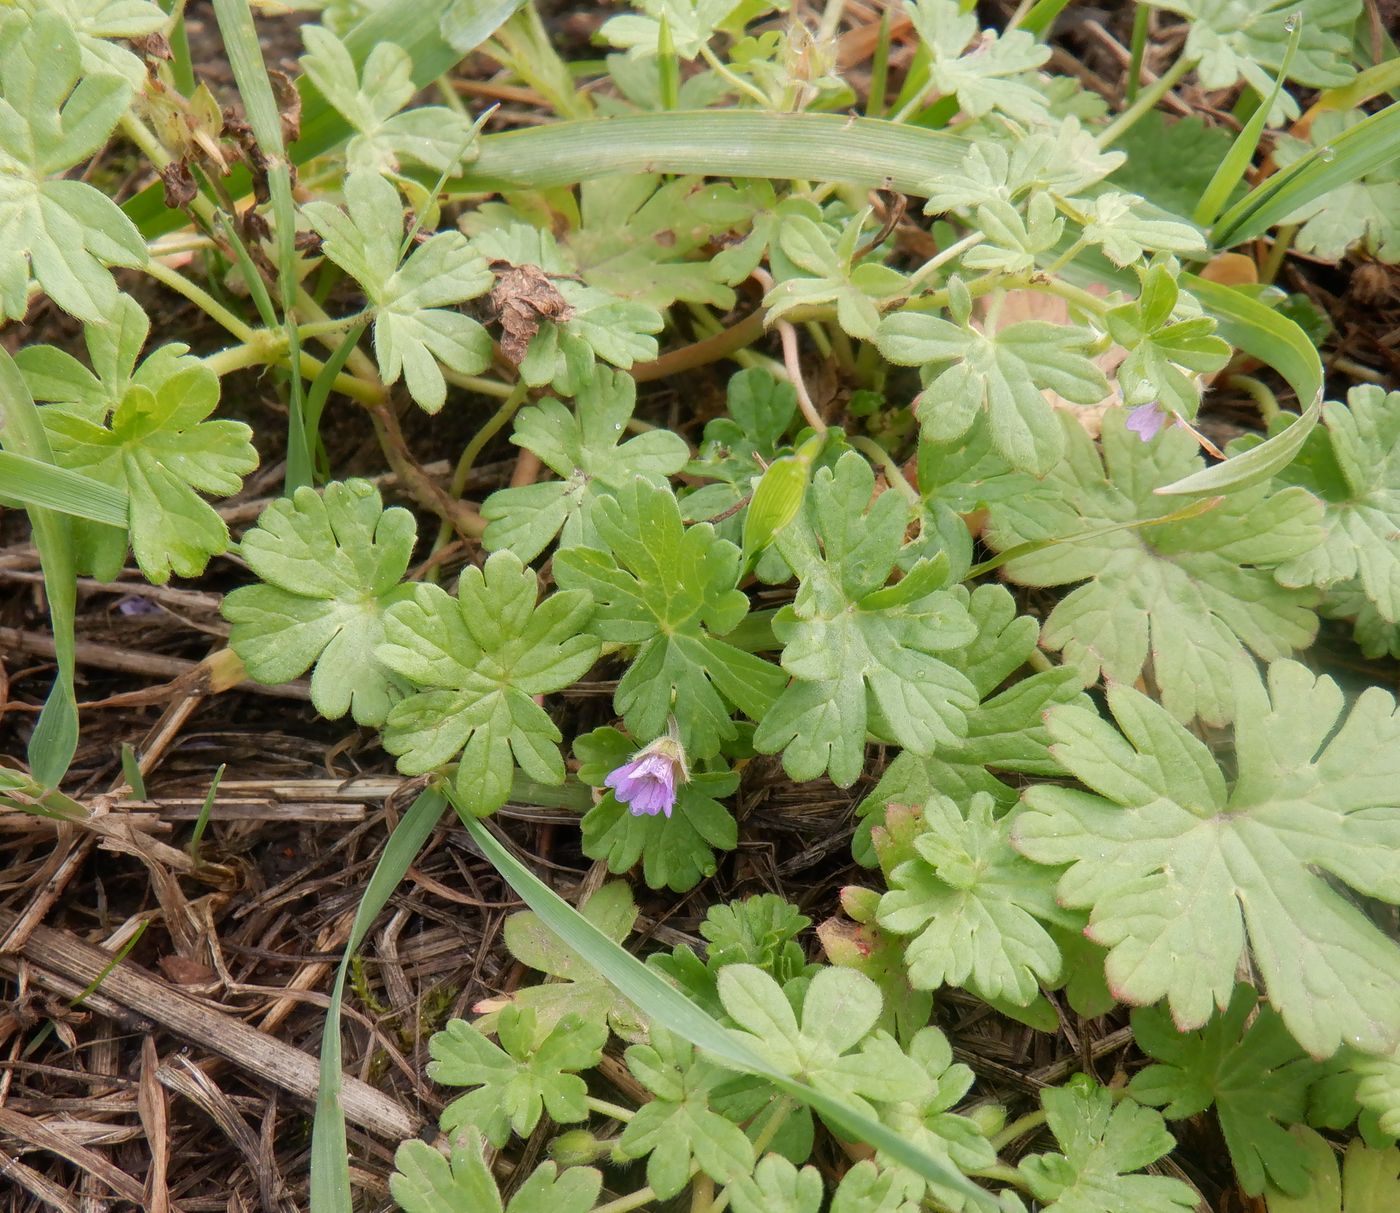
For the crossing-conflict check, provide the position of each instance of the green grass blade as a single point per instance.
(330, 1163)
(1230, 172)
(55, 736)
(250, 72)
(666, 1005)
(1042, 16)
(1362, 149)
(30, 482)
(1249, 325)
(725, 143)
(466, 24)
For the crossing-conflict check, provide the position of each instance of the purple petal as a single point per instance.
(1146, 420)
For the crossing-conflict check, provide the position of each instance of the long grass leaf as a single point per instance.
(1361, 149)
(330, 1163)
(728, 143)
(55, 737)
(666, 1005)
(29, 482)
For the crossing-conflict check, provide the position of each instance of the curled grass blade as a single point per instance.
(1249, 325)
(330, 1168)
(665, 1004)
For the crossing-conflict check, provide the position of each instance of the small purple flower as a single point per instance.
(647, 781)
(1146, 420)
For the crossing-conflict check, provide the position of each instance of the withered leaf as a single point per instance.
(523, 296)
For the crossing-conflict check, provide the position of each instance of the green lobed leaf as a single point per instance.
(1249, 1069)
(1190, 595)
(54, 115)
(1187, 878)
(1368, 1180)
(1101, 1144)
(478, 660)
(330, 566)
(415, 325)
(424, 1181)
(671, 591)
(864, 657)
(532, 1070)
(584, 449)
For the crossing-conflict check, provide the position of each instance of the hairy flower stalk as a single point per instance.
(647, 782)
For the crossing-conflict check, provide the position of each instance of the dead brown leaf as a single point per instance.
(523, 296)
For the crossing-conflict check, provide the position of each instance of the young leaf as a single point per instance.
(865, 658)
(54, 116)
(415, 325)
(677, 1131)
(1102, 1144)
(1126, 228)
(156, 447)
(677, 851)
(861, 945)
(583, 449)
(533, 1069)
(776, 1186)
(479, 659)
(425, 1182)
(1161, 348)
(1003, 373)
(371, 99)
(1369, 1181)
(839, 1012)
(113, 347)
(974, 907)
(1190, 593)
(1253, 1073)
(984, 70)
(1351, 462)
(331, 567)
(759, 930)
(1183, 875)
(670, 590)
(929, 1121)
(1364, 211)
(692, 23)
(578, 989)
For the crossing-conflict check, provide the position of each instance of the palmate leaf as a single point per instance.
(1100, 1145)
(1191, 594)
(865, 658)
(330, 565)
(984, 70)
(1235, 40)
(532, 1070)
(372, 99)
(416, 326)
(1001, 373)
(156, 446)
(479, 659)
(973, 907)
(1352, 463)
(1253, 1074)
(677, 851)
(53, 116)
(425, 1182)
(677, 1129)
(1187, 879)
(692, 23)
(584, 449)
(670, 590)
